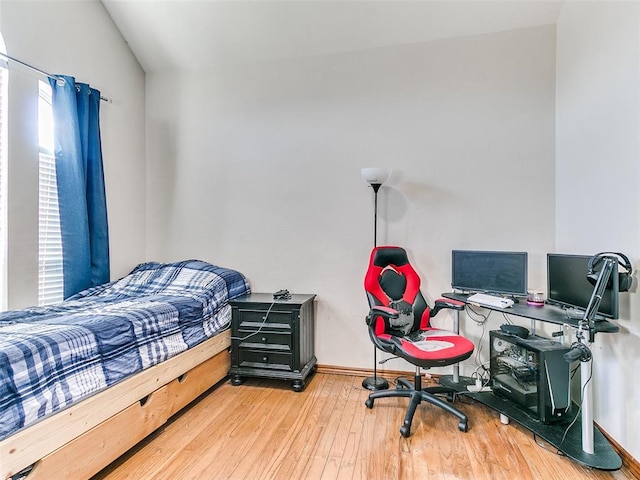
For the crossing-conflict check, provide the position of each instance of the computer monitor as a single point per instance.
(489, 271)
(567, 284)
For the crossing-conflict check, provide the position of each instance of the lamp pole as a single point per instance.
(376, 187)
(375, 383)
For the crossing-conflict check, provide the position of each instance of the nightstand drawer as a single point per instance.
(265, 340)
(252, 320)
(265, 359)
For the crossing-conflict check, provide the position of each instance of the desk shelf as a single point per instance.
(604, 456)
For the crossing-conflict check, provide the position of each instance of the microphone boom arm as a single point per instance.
(588, 321)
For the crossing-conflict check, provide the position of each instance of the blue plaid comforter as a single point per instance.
(53, 356)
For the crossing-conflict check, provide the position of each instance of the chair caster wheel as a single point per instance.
(463, 426)
(405, 431)
(369, 403)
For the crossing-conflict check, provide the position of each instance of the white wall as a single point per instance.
(77, 39)
(257, 167)
(597, 175)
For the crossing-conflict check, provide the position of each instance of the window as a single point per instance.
(4, 78)
(50, 274)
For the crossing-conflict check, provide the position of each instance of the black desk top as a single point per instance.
(545, 313)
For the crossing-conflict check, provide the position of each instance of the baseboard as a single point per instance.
(628, 462)
(363, 372)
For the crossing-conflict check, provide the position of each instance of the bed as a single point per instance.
(84, 380)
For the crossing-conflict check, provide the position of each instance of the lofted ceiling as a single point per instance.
(189, 34)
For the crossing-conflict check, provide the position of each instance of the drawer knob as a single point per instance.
(264, 339)
(265, 359)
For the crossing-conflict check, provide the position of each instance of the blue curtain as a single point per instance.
(81, 192)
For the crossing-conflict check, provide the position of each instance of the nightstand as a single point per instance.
(273, 338)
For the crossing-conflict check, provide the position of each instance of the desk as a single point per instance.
(546, 313)
(599, 452)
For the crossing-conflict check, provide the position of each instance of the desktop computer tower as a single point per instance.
(532, 373)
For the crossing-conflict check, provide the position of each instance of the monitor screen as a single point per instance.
(490, 272)
(567, 284)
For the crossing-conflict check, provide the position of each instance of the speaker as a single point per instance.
(624, 277)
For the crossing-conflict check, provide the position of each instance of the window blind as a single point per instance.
(50, 271)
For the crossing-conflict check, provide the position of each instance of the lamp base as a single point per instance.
(375, 383)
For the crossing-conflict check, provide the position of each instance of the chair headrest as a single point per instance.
(383, 256)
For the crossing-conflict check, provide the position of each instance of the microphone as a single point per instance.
(578, 351)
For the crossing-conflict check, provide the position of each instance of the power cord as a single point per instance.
(483, 377)
(542, 446)
(264, 321)
(481, 322)
(474, 314)
(507, 318)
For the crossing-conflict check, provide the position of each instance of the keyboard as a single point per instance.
(487, 300)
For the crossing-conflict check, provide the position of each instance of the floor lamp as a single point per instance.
(375, 177)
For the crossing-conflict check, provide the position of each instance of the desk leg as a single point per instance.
(586, 383)
(456, 329)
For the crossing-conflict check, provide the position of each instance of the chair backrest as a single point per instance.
(391, 280)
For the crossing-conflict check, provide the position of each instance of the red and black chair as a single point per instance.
(399, 323)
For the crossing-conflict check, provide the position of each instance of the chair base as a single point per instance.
(418, 395)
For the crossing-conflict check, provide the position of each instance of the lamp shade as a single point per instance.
(375, 175)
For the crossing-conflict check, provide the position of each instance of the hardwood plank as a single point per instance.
(315, 454)
(264, 430)
(288, 447)
(227, 441)
(173, 442)
(355, 417)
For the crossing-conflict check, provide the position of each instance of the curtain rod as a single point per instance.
(42, 72)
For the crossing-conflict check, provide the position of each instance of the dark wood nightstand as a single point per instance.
(273, 338)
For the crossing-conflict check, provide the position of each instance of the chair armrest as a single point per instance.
(446, 303)
(379, 310)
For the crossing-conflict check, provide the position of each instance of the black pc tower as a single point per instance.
(532, 373)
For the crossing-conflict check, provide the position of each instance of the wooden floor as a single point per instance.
(264, 430)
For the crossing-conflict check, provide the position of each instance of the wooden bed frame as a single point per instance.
(81, 440)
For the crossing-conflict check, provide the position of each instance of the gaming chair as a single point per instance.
(399, 323)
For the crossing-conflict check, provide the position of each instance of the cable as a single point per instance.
(470, 311)
(479, 347)
(485, 377)
(483, 323)
(507, 318)
(557, 452)
(264, 321)
(573, 372)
